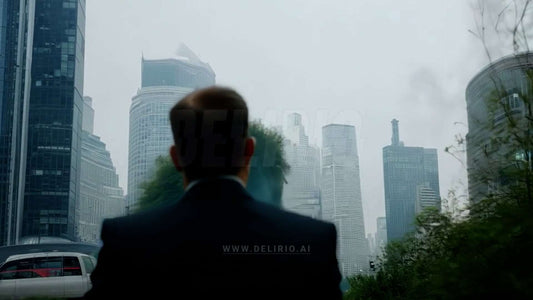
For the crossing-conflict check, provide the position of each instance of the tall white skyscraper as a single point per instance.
(301, 193)
(164, 83)
(341, 196)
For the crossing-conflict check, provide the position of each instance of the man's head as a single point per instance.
(210, 129)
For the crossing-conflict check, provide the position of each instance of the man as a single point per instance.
(216, 241)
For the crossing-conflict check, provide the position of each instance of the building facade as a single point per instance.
(100, 194)
(370, 238)
(405, 169)
(164, 83)
(42, 45)
(301, 192)
(381, 235)
(426, 197)
(341, 196)
(499, 94)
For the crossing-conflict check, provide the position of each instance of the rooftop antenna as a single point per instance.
(395, 133)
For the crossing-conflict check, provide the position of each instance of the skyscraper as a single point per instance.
(381, 235)
(341, 196)
(371, 244)
(100, 195)
(406, 171)
(41, 86)
(301, 193)
(426, 197)
(164, 83)
(494, 98)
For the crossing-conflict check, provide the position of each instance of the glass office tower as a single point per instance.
(409, 173)
(495, 96)
(41, 104)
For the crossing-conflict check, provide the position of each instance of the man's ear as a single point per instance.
(249, 148)
(175, 158)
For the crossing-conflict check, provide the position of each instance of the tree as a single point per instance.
(267, 174)
(165, 186)
(486, 256)
(268, 166)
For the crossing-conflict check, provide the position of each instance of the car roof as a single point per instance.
(43, 254)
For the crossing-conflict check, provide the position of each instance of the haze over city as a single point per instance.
(267, 149)
(359, 63)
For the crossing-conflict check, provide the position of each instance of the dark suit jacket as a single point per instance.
(217, 241)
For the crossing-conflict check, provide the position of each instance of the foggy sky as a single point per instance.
(356, 62)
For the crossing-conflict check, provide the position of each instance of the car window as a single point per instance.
(24, 274)
(71, 266)
(49, 266)
(8, 270)
(88, 263)
(18, 269)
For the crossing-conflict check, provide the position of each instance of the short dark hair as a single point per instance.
(210, 127)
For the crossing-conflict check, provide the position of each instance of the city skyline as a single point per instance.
(420, 84)
(314, 183)
(330, 73)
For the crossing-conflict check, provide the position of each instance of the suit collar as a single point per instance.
(230, 177)
(220, 189)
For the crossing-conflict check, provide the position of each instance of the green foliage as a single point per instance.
(268, 165)
(486, 256)
(164, 187)
(266, 175)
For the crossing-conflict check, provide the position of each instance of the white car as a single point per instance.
(51, 274)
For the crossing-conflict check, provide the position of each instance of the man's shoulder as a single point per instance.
(276, 212)
(263, 217)
(137, 222)
(286, 220)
